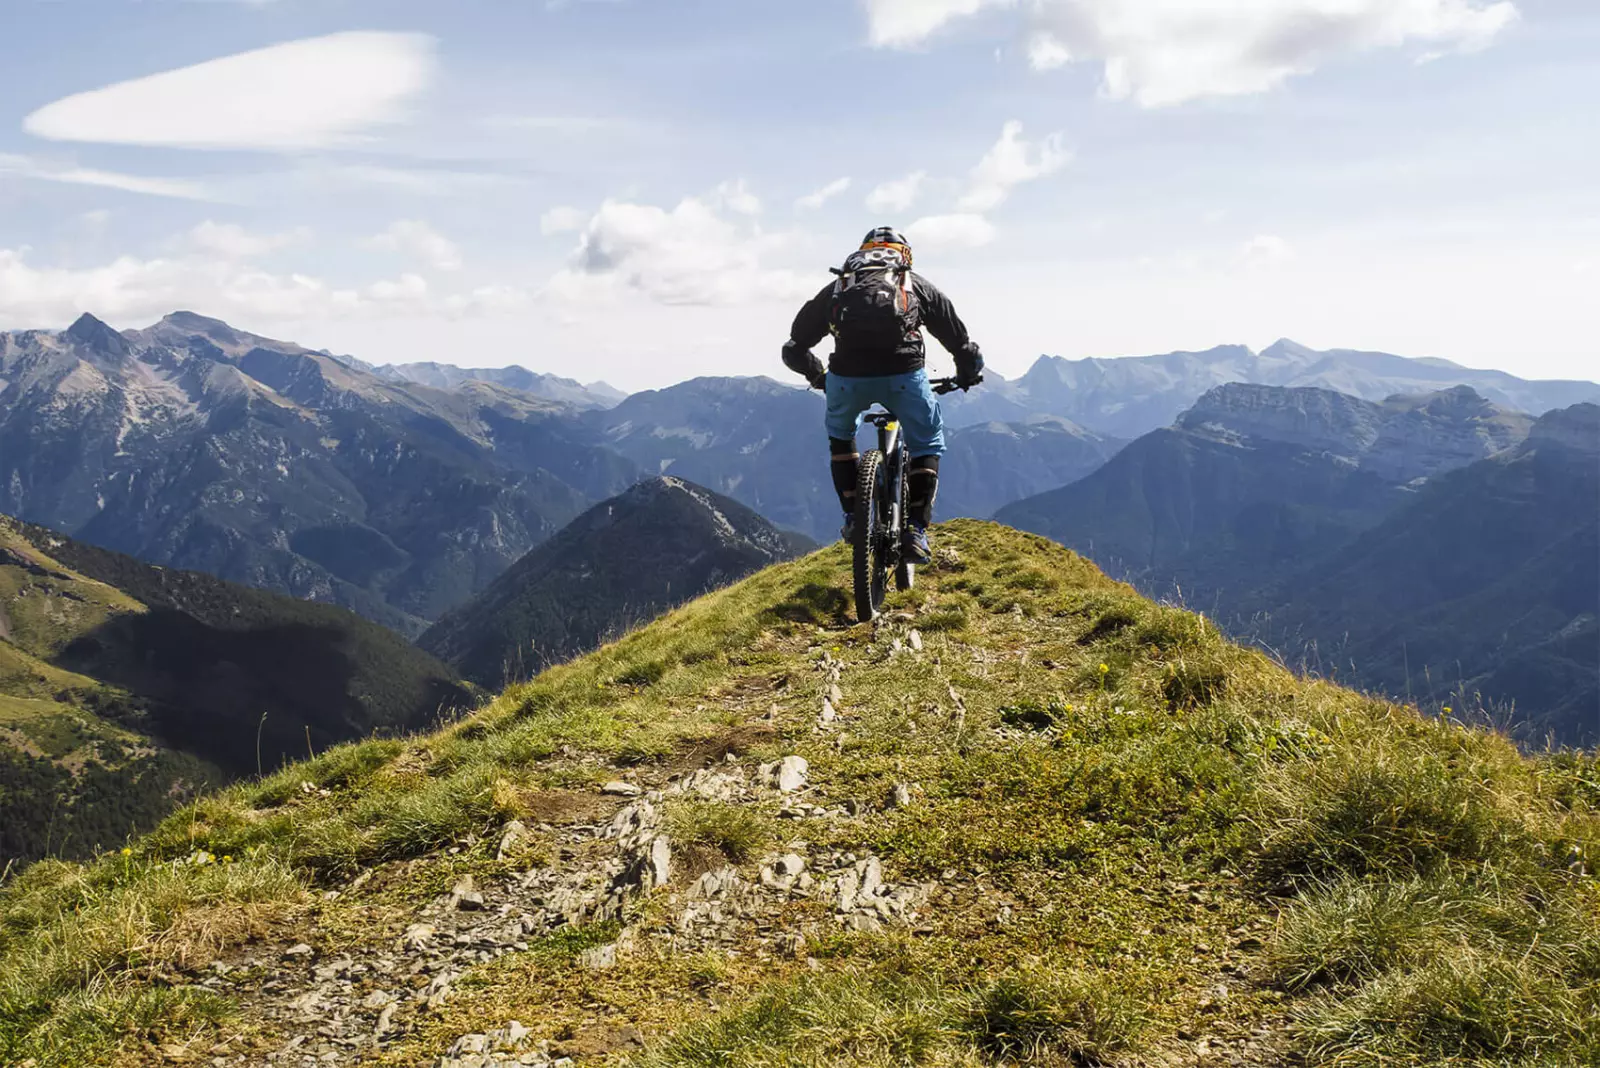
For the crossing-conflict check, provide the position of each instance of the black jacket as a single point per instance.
(938, 315)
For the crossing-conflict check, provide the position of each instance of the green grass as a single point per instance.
(1052, 1018)
(1374, 887)
(737, 832)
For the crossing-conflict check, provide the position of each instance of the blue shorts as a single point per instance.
(907, 395)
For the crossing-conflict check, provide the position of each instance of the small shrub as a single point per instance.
(1032, 579)
(1032, 716)
(1193, 685)
(943, 620)
(823, 1020)
(1111, 622)
(1038, 1017)
(1356, 930)
(337, 768)
(1466, 1006)
(737, 832)
(816, 605)
(1172, 629)
(644, 675)
(1371, 813)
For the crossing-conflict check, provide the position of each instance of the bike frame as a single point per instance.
(890, 442)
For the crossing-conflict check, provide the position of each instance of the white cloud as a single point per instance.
(1011, 162)
(960, 230)
(735, 197)
(315, 93)
(135, 291)
(901, 23)
(562, 220)
(1045, 52)
(815, 200)
(1164, 52)
(407, 289)
(898, 195)
(564, 125)
(692, 254)
(177, 188)
(233, 242)
(413, 237)
(1266, 250)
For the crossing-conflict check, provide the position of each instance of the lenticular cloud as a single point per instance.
(315, 93)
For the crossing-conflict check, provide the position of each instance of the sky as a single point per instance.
(643, 192)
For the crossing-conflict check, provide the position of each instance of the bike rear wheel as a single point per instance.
(869, 545)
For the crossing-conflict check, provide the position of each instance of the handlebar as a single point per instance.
(943, 386)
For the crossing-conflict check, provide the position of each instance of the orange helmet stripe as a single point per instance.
(904, 250)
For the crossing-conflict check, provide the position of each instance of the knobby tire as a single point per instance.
(869, 577)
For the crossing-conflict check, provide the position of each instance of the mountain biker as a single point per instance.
(876, 310)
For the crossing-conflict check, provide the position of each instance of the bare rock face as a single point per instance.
(1437, 432)
(1317, 419)
(1576, 428)
(1400, 440)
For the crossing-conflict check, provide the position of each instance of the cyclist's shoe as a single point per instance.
(848, 531)
(916, 545)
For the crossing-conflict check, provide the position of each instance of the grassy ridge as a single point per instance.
(1148, 841)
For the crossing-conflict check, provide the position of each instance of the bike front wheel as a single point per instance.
(869, 548)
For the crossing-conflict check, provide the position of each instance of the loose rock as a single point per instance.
(790, 774)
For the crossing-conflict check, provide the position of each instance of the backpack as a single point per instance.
(875, 306)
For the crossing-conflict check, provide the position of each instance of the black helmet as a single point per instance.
(888, 237)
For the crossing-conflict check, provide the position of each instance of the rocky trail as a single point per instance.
(616, 872)
(346, 1007)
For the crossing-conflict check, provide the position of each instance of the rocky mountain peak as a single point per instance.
(1457, 402)
(190, 323)
(1308, 417)
(1577, 427)
(95, 336)
(1288, 349)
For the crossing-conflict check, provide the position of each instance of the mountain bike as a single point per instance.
(882, 520)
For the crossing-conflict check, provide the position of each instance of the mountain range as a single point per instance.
(403, 491)
(1339, 531)
(1126, 397)
(550, 387)
(622, 563)
(199, 446)
(125, 687)
(1484, 584)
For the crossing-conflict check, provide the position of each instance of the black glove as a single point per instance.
(969, 367)
(804, 362)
